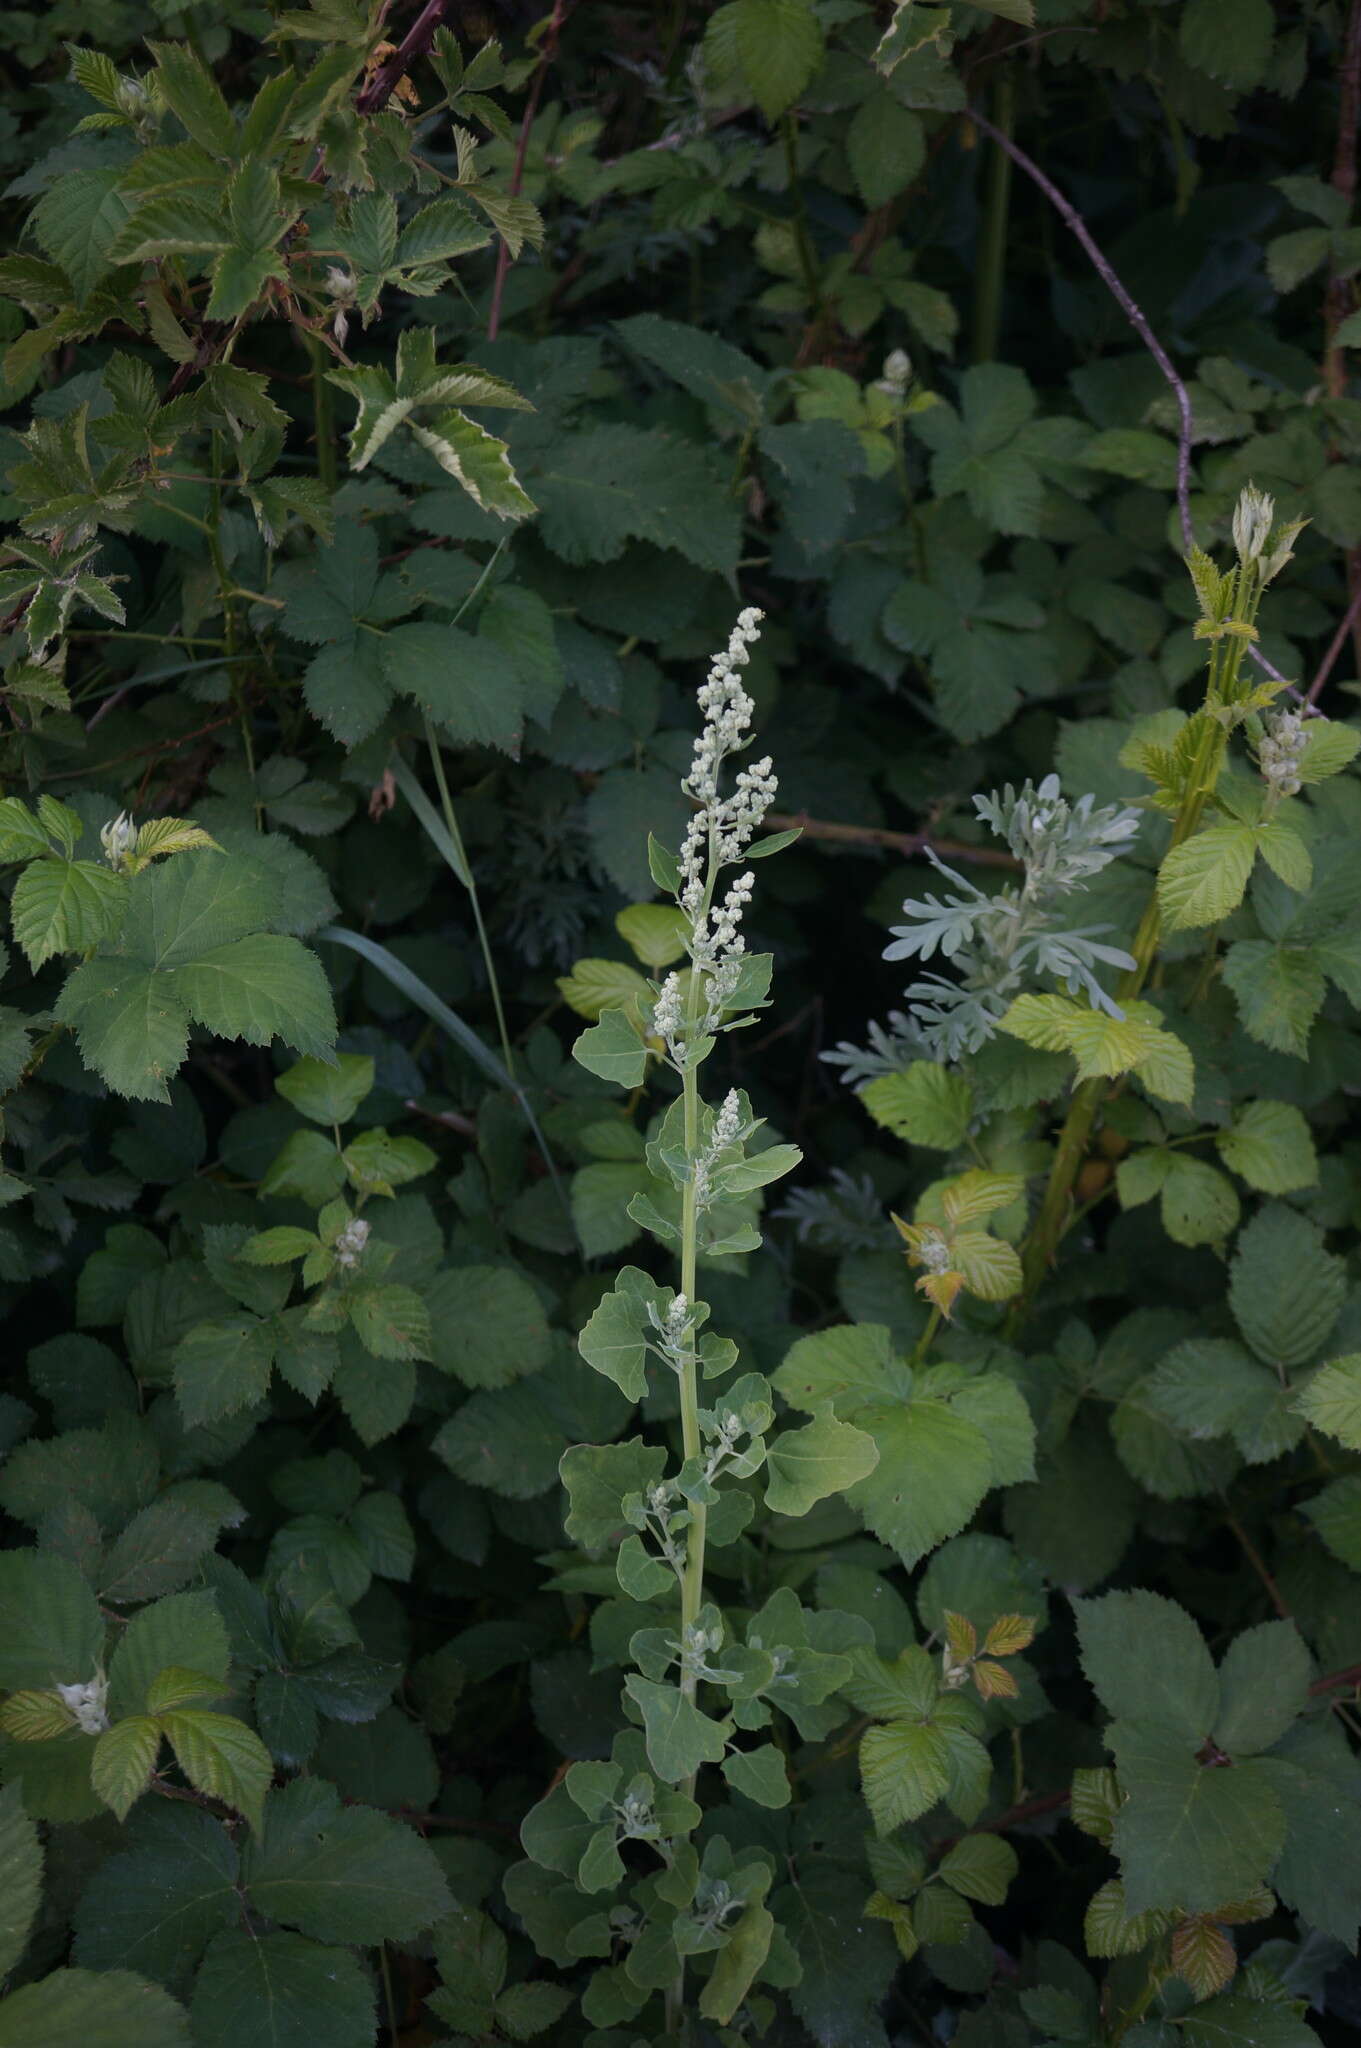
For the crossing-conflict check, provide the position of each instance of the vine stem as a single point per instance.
(992, 240)
(1138, 320)
(906, 843)
(517, 172)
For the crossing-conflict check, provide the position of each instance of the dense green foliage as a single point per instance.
(825, 1506)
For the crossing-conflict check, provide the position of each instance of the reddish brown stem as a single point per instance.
(546, 56)
(1072, 219)
(1337, 300)
(907, 843)
(1350, 622)
(417, 40)
(1258, 1563)
(1350, 1675)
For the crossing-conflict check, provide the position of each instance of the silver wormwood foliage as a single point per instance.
(1002, 943)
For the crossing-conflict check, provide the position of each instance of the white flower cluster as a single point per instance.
(727, 1129)
(1254, 532)
(87, 1702)
(674, 1333)
(668, 1014)
(1279, 755)
(349, 1246)
(118, 838)
(719, 832)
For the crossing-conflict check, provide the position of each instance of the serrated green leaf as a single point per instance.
(51, 1632)
(281, 1991)
(904, 1770)
(488, 1326)
(934, 1468)
(1264, 1687)
(221, 1756)
(346, 1874)
(1270, 1147)
(124, 1758)
(65, 906)
(222, 1367)
(980, 1867)
(21, 1877)
(925, 1104)
(1332, 1400)
(1148, 1663)
(1190, 1838)
(97, 2009)
(1284, 1288)
(1202, 880)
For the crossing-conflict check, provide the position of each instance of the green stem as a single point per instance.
(803, 241)
(451, 826)
(1152, 1984)
(927, 1338)
(990, 276)
(1042, 1242)
(323, 416)
(226, 591)
(692, 1584)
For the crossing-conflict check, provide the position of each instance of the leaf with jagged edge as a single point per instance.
(124, 1758)
(280, 1990)
(344, 1874)
(96, 2008)
(66, 906)
(21, 1877)
(221, 1757)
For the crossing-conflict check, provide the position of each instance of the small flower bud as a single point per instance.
(1252, 518)
(897, 373)
(118, 838)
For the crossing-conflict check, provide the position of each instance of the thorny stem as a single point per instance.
(546, 55)
(1069, 214)
(992, 239)
(907, 843)
(417, 40)
(1337, 299)
(1138, 320)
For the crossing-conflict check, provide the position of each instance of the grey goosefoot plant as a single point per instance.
(714, 1160)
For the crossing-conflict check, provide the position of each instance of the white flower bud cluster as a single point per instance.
(1252, 521)
(350, 1244)
(343, 291)
(719, 833)
(118, 838)
(727, 1128)
(897, 373)
(1279, 755)
(1254, 532)
(668, 1017)
(722, 827)
(673, 1330)
(935, 1253)
(87, 1702)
